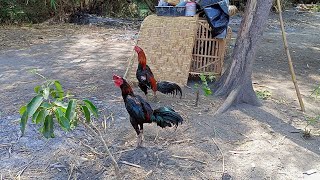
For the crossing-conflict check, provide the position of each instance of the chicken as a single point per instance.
(141, 112)
(147, 80)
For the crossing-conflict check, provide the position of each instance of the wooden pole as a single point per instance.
(293, 75)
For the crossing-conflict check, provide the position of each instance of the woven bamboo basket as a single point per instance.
(168, 44)
(208, 52)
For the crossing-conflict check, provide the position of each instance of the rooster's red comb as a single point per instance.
(115, 77)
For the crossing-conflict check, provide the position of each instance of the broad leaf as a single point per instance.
(86, 113)
(35, 115)
(23, 121)
(61, 104)
(59, 89)
(71, 110)
(64, 123)
(33, 105)
(41, 116)
(91, 107)
(47, 129)
(22, 109)
(46, 105)
(207, 91)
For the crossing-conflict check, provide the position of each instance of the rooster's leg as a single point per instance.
(136, 128)
(141, 132)
(139, 140)
(155, 98)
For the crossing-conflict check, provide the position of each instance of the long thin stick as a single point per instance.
(293, 75)
(130, 164)
(223, 169)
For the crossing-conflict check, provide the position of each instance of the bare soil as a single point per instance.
(246, 142)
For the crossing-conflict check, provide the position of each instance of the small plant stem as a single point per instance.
(99, 135)
(197, 97)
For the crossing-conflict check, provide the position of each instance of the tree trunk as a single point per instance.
(236, 84)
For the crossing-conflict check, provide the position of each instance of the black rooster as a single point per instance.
(141, 112)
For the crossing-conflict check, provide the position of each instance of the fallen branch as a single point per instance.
(130, 164)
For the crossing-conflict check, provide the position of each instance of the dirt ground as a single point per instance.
(246, 142)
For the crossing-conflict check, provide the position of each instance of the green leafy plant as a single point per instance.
(11, 12)
(204, 86)
(52, 105)
(263, 94)
(310, 121)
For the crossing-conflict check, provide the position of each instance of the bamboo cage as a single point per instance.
(208, 52)
(178, 46)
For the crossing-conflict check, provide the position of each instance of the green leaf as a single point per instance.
(53, 4)
(64, 123)
(61, 104)
(71, 110)
(91, 107)
(22, 109)
(53, 93)
(59, 89)
(23, 121)
(34, 116)
(203, 77)
(33, 105)
(46, 92)
(41, 115)
(37, 89)
(86, 113)
(47, 129)
(207, 91)
(46, 105)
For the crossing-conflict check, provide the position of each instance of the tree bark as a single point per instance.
(236, 84)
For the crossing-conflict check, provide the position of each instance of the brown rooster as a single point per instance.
(147, 80)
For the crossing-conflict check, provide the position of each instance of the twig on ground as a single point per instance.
(119, 152)
(26, 166)
(99, 135)
(148, 174)
(92, 149)
(181, 141)
(240, 152)
(130, 164)
(71, 171)
(201, 173)
(189, 158)
(223, 170)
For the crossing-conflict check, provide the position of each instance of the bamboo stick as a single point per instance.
(293, 75)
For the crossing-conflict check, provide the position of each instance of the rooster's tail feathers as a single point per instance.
(166, 117)
(169, 88)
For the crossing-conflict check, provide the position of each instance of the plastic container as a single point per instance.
(170, 11)
(190, 9)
